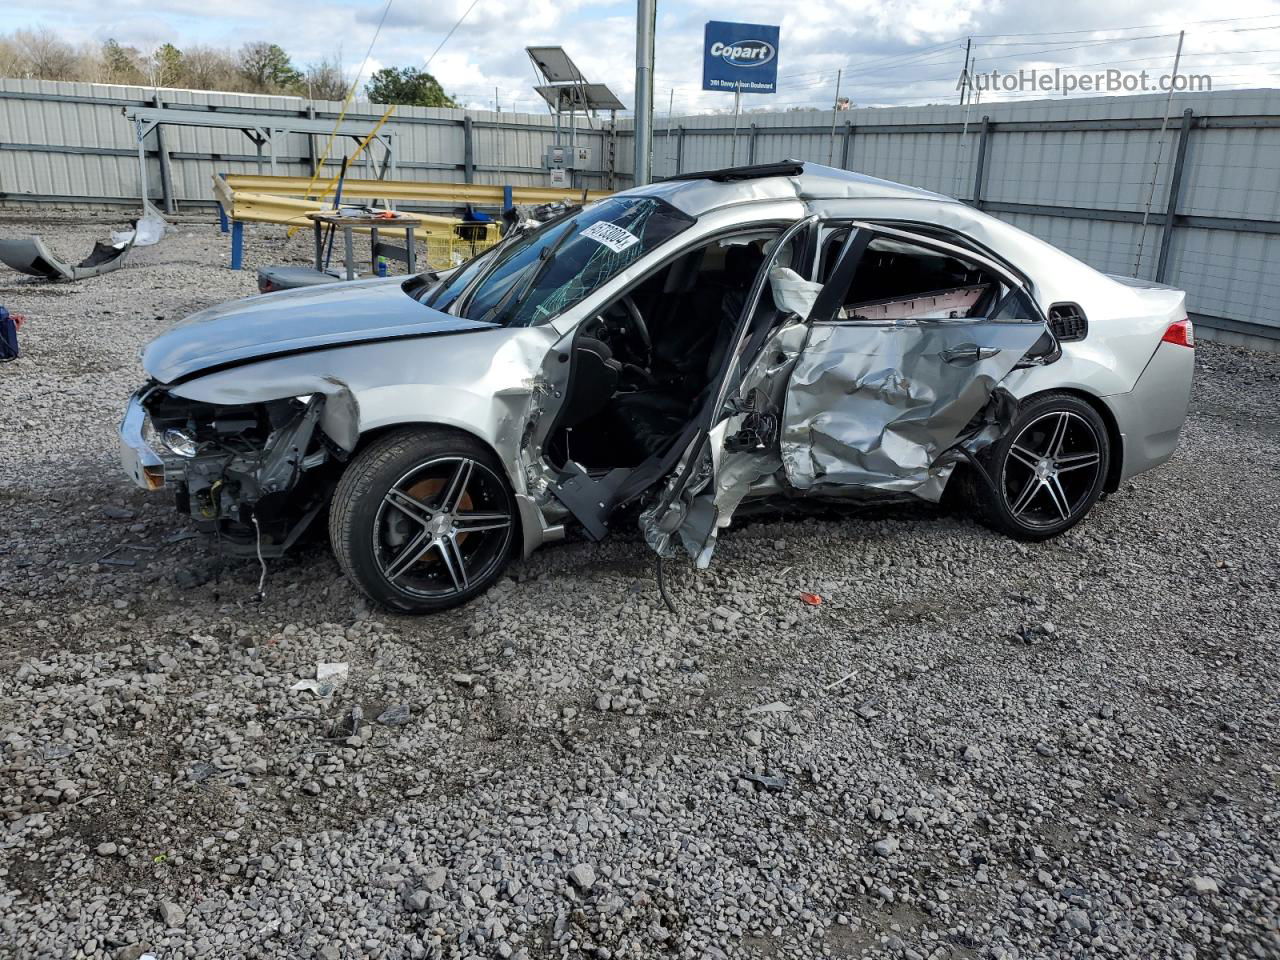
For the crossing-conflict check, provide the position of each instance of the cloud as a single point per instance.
(907, 51)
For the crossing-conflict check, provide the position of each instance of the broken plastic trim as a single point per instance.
(30, 256)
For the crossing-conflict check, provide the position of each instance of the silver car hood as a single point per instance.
(294, 321)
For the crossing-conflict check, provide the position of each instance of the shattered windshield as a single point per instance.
(549, 270)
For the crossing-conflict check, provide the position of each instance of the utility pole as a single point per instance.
(671, 110)
(964, 76)
(646, 25)
(1155, 167)
(835, 109)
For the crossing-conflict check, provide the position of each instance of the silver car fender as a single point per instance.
(486, 383)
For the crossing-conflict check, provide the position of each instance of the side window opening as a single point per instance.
(900, 280)
(645, 363)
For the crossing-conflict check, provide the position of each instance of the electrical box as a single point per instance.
(559, 177)
(567, 158)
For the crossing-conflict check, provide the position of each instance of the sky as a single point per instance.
(890, 53)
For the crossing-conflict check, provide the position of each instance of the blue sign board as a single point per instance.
(740, 56)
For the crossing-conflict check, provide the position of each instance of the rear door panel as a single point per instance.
(880, 397)
(877, 403)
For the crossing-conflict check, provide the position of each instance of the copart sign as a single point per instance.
(740, 56)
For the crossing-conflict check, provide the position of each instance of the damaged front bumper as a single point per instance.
(143, 465)
(255, 476)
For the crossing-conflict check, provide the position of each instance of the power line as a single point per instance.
(457, 23)
(1145, 26)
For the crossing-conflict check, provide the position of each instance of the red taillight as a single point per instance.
(1180, 333)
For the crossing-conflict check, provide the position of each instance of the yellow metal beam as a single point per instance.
(292, 211)
(229, 185)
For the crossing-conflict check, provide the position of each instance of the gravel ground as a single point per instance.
(972, 748)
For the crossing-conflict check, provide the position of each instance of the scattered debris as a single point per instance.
(812, 599)
(332, 671)
(766, 783)
(147, 231)
(30, 256)
(845, 679)
(776, 707)
(395, 715)
(322, 690)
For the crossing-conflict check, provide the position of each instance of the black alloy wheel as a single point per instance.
(1048, 471)
(424, 519)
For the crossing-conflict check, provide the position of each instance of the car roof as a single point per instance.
(697, 193)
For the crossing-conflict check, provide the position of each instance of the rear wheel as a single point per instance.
(424, 519)
(1047, 472)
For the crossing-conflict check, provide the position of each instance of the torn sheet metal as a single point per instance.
(30, 256)
(744, 465)
(876, 404)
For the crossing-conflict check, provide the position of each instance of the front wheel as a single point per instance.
(423, 519)
(1047, 472)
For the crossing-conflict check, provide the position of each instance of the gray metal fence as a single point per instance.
(1082, 174)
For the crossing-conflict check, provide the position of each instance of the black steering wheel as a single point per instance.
(635, 320)
(629, 319)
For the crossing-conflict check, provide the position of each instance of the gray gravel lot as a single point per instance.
(972, 748)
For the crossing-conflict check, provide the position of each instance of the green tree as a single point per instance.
(266, 68)
(120, 63)
(167, 63)
(409, 86)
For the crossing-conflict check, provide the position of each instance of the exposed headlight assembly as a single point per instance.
(179, 442)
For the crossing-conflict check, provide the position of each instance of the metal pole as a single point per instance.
(671, 108)
(468, 152)
(964, 76)
(1175, 191)
(835, 109)
(737, 106)
(979, 175)
(646, 20)
(1155, 167)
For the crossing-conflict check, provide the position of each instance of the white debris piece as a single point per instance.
(332, 671)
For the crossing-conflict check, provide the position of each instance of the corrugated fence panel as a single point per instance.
(1091, 163)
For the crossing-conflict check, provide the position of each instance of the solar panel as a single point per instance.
(580, 96)
(555, 64)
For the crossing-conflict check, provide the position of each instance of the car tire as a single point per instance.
(424, 519)
(1047, 472)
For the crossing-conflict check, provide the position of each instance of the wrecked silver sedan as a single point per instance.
(658, 358)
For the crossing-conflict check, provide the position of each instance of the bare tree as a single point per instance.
(325, 80)
(13, 59)
(47, 56)
(207, 68)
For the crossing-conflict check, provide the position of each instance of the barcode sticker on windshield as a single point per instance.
(614, 237)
